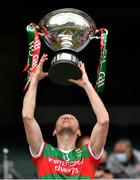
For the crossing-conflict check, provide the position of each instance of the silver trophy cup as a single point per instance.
(66, 31)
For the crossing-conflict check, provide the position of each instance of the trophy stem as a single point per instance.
(66, 41)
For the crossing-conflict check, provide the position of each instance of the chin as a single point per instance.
(66, 130)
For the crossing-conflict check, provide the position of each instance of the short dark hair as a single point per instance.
(124, 141)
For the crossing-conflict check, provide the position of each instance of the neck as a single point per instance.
(66, 141)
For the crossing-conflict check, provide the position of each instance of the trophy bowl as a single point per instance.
(66, 31)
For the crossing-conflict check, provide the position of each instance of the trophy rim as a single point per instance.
(72, 10)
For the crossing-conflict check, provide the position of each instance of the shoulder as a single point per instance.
(136, 153)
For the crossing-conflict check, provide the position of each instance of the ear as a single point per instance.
(79, 132)
(54, 132)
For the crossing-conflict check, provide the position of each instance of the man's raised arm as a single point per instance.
(100, 130)
(32, 129)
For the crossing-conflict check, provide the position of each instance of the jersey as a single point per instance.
(53, 163)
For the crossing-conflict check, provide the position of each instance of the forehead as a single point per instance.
(120, 147)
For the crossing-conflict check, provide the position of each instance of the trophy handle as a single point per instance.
(96, 32)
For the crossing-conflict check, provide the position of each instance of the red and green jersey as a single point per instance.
(55, 164)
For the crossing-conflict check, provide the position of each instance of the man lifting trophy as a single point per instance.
(65, 31)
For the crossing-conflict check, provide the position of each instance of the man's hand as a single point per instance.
(39, 74)
(84, 79)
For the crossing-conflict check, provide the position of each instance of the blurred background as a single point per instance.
(122, 87)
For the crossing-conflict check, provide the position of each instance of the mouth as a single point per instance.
(66, 122)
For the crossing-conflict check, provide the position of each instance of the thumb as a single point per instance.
(45, 74)
(72, 80)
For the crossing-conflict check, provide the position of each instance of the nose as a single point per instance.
(66, 118)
